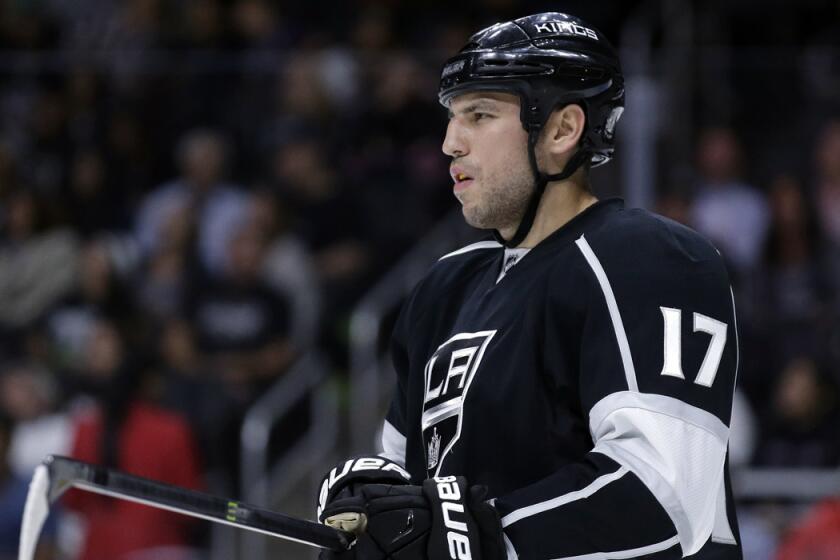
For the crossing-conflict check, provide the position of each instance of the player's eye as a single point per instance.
(477, 116)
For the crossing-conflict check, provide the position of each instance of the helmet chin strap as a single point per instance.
(541, 180)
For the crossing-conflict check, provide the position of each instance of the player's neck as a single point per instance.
(562, 201)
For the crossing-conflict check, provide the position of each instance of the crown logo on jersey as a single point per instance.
(434, 450)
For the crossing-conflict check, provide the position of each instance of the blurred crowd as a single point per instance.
(193, 194)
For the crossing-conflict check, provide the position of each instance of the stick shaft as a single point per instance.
(92, 478)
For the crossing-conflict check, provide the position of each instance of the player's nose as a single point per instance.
(453, 143)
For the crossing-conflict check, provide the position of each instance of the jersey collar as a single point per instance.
(583, 222)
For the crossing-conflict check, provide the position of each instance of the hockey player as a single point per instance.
(565, 390)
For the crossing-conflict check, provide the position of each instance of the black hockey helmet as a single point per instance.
(548, 60)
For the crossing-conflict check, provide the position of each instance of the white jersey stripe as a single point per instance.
(597, 484)
(615, 315)
(510, 551)
(658, 404)
(473, 247)
(722, 531)
(621, 554)
(393, 444)
(737, 342)
(676, 450)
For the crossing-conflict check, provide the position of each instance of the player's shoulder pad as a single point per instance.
(638, 233)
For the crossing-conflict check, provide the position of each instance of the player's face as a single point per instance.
(488, 146)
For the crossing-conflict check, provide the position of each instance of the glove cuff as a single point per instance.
(453, 527)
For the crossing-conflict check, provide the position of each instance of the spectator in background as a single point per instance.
(287, 266)
(99, 294)
(131, 151)
(784, 302)
(94, 204)
(242, 325)
(242, 330)
(793, 285)
(202, 24)
(302, 98)
(84, 91)
(48, 150)
(674, 204)
(172, 268)
(800, 423)
(218, 206)
(124, 429)
(301, 105)
(135, 27)
(732, 213)
(190, 388)
(29, 395)
(13, 490)
(258, 25)
(328, 218)
(37, 264)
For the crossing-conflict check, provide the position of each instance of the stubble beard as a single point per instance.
(500, 201)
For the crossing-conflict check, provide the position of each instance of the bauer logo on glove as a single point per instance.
(343, 480)
(452, 509)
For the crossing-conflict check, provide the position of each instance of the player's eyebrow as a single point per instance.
(482, 104)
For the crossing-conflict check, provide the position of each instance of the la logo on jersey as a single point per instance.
(448, 375)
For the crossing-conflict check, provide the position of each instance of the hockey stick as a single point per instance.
(57, 474)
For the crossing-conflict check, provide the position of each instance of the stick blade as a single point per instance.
(35, 513)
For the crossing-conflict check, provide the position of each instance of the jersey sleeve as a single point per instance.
(393, 441)
(656, 360)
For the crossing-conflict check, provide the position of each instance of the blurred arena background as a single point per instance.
(210, 211)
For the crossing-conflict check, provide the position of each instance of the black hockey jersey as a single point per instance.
(590, 388)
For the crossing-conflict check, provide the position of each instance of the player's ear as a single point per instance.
(563, 130)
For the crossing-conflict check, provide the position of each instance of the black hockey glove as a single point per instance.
(443, 519)
(344, 482)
